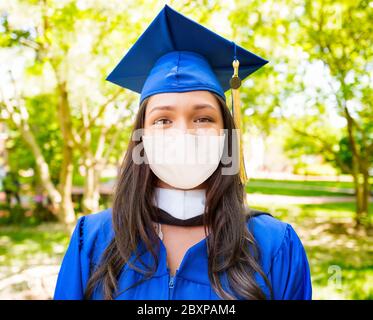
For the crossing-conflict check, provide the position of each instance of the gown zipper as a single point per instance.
(171, 283)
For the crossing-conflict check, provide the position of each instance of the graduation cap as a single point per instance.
(177, 54)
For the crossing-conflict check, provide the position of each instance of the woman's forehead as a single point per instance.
(184, 99)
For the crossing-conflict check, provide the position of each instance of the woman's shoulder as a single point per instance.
(265, 225)
(283, 257)
(98, 220)
(91, 235)
(271, 234)
(95, 232)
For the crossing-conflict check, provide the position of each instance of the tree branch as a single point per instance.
(99, 113)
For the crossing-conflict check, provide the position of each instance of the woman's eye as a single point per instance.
(204, 120)
(162, 121)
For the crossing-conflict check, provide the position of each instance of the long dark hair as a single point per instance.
(232, 249)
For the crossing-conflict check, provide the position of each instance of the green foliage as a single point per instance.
(338, 33)
(9, 37)
(43, 122)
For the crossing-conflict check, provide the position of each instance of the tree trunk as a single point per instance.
(357, 169)
(67, 214)
(365, 190)
(42, 167)
(91, 195)
(359, 201)
(362, 191)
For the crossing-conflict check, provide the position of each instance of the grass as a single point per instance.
(310, 183)
(21, 247)
(30, 257)
(299, 188)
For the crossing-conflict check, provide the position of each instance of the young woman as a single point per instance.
(182, 230)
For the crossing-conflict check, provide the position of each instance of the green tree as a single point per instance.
(73, 48)
(338, 33)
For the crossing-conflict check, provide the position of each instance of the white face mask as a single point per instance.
(181, 204)
(183, 161)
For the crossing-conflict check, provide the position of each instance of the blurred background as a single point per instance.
(307, 116)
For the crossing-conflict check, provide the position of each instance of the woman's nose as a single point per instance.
(182, 126)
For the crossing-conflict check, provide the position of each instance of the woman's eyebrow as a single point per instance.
(172, 108)
(203, 106)
(169, 108)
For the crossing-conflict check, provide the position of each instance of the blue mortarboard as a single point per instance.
(176, 54)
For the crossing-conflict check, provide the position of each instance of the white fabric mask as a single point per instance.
(181, 204)
(183, 161)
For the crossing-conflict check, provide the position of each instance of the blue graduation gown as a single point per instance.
(284, 261)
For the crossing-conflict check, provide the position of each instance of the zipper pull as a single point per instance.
(171, 282)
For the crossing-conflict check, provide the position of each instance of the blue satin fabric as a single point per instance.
(284, 261)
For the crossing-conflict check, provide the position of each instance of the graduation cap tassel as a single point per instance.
(235, 83)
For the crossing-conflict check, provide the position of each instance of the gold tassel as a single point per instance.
(235, 85)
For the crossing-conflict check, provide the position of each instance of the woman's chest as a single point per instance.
(177, 241)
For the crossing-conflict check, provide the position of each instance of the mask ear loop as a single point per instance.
(160, 234)
(159, 230)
